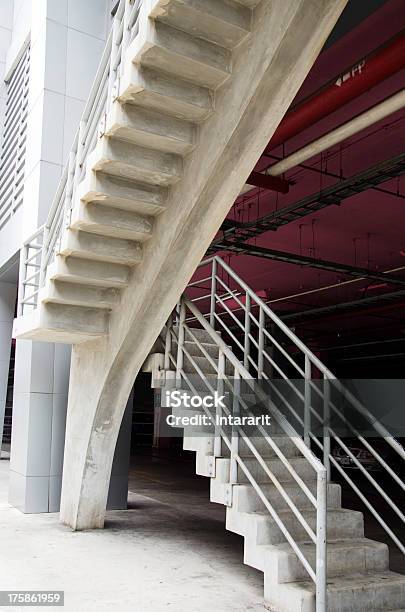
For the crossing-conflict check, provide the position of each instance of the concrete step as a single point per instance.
(247, 500)
(260, 528)
(105, 220)
(371, 591)
(119, 193)
(172, 51)
(62, 323)
(224, 23)
(129, 161)
(205, 366)
(89, 272)
(194, 350)
(60, 292)
(86, 245)
(344, 558)
(150, 128)
(152, 89)
(201, 334)
(278, 469)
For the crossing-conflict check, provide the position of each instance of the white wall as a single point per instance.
(67, 40)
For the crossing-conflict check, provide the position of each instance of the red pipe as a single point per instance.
(356, 80)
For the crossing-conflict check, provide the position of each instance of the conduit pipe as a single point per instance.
(351, 83)
(364, 120)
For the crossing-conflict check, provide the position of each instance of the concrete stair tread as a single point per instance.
(132, 162)
(224, 23)
(88, 273)
(150, 128)
(152, 89)
(74, 294)
(108, 249)
(105, 220)
(121, 193)
(357, 582)
(189, 58)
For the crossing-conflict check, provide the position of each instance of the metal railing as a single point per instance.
(103, 93)
(298, 388)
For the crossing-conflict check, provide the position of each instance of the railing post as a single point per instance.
(168, 343)
(235, 432)
(247, 332)
(21, 279)
(213, 291)
(180, 344)
(218, 409)
(125, 32)
(260, 360)
(326, 419)
(307, 396)
(321, 542)
(113, 76)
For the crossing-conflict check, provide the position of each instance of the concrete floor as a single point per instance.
(159, 555)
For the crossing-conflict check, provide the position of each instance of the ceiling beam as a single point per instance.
(311, 262)
(265, 181)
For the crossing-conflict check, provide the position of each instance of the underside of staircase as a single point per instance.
(359, 578)
(173, 67)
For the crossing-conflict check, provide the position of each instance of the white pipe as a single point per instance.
(362, 121)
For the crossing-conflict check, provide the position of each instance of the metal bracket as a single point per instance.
(211, 464)
(116, 89)
(228, 495)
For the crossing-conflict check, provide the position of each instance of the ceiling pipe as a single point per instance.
(351, 83)
(372, 115)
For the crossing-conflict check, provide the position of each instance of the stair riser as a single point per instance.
(175, 52)
(373, 598)
(148, 128)
(79, 295)
(261, 529)
(128, 161)
(101, 248)
(109, 190)
(247, 500)
(284, 568)
(89, 273)
(150, 89)
(113, 222)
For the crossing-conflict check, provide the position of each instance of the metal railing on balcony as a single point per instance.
(102, 95)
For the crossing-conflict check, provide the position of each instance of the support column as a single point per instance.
(41, 383)
(8, 293)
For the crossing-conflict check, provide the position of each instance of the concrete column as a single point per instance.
(8, 293)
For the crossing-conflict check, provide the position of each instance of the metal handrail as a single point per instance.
(319, 501)
(307, 396)
(103, 92)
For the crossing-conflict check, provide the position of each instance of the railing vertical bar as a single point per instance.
(326, 423)
(180, 344)
(246, 351)
(260, 358)
(307, 407)
(168, 343)
(218, 408)
(213, 292)
(235, 430)
(321, 542)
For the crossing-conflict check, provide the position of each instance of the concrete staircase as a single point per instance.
(182, 54)
(359, 577)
